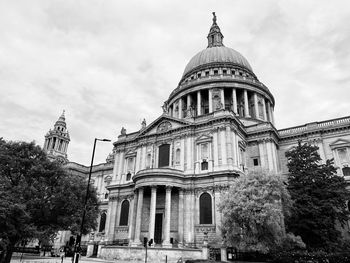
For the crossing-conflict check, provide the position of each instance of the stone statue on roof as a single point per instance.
(123, 131)
(143, 124)
(214, 18)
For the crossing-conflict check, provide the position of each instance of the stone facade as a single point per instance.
(165, 181)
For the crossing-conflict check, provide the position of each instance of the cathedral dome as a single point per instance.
(214, 55)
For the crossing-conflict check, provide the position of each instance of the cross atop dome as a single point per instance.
(215, 37)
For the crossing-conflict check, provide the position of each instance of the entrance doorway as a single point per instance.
(95, 250)
(158, 229)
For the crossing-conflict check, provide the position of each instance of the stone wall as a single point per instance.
(154, 255)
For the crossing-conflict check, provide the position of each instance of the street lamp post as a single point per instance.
(77, 247)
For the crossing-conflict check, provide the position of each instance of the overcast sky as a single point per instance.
(112, 63)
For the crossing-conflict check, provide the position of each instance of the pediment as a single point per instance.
(163, 124)
(130, 153)
(204, 138)
(339, 143)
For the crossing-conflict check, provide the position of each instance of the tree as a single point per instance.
(319, 196)
(38, 197)
(253, 212)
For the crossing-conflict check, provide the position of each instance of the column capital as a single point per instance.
(154, 187)
(168, 187)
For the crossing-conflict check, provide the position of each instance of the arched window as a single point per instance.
(346, 171)
(124, 213)
(102, 222)
(205, 209)
(128, 176)
(177, 156)
(164, 154)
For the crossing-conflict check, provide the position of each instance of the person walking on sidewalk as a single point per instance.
(62, 254)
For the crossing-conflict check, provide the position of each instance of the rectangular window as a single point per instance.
(164, 155)
(342, 153)
(130, 164)
(216, 72)
(256, 162)
(204, 151)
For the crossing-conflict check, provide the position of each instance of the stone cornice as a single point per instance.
(315, 129)
(227, 117)
(220, 82)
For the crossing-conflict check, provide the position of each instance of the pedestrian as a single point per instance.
(62, 254)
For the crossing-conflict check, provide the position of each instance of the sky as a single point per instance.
(109, 64)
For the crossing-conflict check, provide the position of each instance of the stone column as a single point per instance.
(187, 217)
(199, 102)
(269, 111)
(234, 101)
(234, 149)
(262, 154)
(269, 155)
(189, 101)
(181, 217)
(132, 218)
(112, 218)
(222, 97)
(111, 203)
(272, 117)
(256, 107)
(180, 108)
(229, 146)
(138, 217)
(215, 148)
(223, 146)
(166, 241)
(246, 104)
(152, 214)
(264, 109)
(210, 99)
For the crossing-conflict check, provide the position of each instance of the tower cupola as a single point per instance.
(215, 36)
(57, 140)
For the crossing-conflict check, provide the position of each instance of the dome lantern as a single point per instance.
(215, 36)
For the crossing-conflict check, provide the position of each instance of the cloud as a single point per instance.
(110, 64)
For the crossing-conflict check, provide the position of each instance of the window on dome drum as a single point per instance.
(124, 213)
(224, 71)
(346, 171)
(199, 75)
(128, 176)
(106, 195)
(205, 209)
(256, 161)
(216, 72)
(164, 154)
(207, 73)
(102, 222)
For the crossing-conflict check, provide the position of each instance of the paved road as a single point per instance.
(38, 259)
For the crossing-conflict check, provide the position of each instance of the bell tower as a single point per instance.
(57, 140)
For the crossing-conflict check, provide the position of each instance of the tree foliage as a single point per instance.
(319, 198)
(38, 197)
(253, 212)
